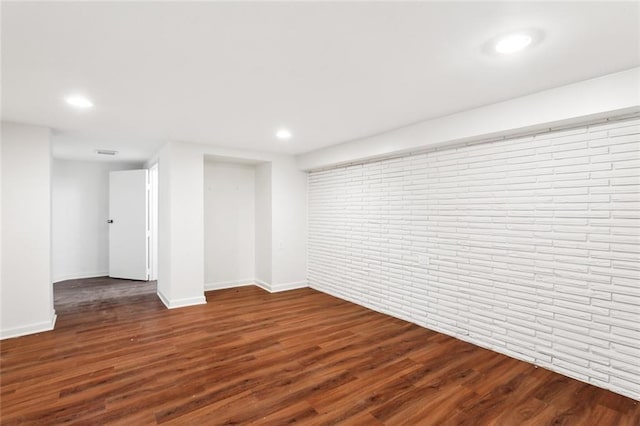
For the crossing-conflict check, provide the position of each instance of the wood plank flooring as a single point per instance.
(250, 357)
(70, 293)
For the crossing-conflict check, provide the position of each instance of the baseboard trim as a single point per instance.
(277, 288)
(30, 329)
(228, 284)
(80, 276)
(163, 299)
(263, 285)
(271, 288)
(181, 303)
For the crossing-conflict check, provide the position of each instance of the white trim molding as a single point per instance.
(81, 275)
(276, 288)
(228, 284)
(263, 285)
(29, 329)
(181, 303)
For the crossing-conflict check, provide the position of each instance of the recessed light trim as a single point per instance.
(283, 134)
(79, 101)
(513, 43)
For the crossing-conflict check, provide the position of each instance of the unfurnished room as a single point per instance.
(323, 213)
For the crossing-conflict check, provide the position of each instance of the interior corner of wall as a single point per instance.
(27, 329)
(263, 285)
(164, 299)
(181, 303)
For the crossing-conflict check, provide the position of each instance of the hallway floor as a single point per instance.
(76, 293)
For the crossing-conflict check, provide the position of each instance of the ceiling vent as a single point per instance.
(106, 152)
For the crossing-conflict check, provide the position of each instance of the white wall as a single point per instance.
(26, 292)
(278, 227)
(229, 224)
(1, 234)
(153, 222)
(180, 225)
(263, 253)
(289, 225)
(278, 231)
(79, 213)
(164, 284)
(526, 246)
(581, 102)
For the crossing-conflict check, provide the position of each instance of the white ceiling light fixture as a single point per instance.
(79, 101)
(283, 134)
(513, 43)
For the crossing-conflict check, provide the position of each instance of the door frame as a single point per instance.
(153, 222)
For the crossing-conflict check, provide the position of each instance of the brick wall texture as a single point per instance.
(528, 246)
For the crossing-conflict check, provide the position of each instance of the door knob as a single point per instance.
(110, 221)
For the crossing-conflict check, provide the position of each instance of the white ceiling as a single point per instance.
(230, 74)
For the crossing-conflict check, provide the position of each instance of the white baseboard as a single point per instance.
(81, 275)
(181, 303)
(228, 284)
(163, 299)
(263, 285)
(30, 329)
(271, 288)
(276, 288)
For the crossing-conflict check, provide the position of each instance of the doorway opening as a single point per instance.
(80, 263)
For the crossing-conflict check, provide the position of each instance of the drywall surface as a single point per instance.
(280, 217)
(26, 289)
(180, 226)
(79, 213)
(262, 216)
(289, 225)
(526, 246)
(229, 223)
(566, 105)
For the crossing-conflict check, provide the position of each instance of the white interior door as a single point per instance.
(128, 224)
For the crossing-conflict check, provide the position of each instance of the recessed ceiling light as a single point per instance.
(513, 43)
(79, 101)
(283, 134)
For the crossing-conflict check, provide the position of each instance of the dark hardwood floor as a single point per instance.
(250, 357)
(70, 293)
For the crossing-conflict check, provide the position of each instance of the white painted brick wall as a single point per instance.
(527, 246)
